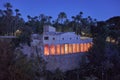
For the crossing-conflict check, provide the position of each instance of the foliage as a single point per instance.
(9, 23)
(6, 56)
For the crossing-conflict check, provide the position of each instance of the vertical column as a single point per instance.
(70, 48)
(66, 49)
(74, 48)
(77, 47)
(62, 49)
(82, 47)
(87, 45)
(58, 49)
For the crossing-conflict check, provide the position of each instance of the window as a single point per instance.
(77, 38)
(46, 38)
(46, 49)
(53, 38)
(62, 49)
(70, 48)
(62, 38)
(52, 49)
(58, 49)
(70, 38)
(66, 48)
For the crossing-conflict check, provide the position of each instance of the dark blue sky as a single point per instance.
(99, 9)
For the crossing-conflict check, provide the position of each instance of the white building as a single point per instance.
(57, 43)
(61, 50)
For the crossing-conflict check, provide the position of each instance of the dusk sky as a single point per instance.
(99, 9)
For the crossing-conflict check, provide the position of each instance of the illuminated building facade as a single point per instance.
(61, 50)
(62, 43)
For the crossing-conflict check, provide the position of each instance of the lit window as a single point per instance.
(46, 49)
(81, 47)
(58, 49)
(62, 49)
(52, 49)
(85, 47)
(70, 48)
(66, 48)
(78, 48)
(74, 48)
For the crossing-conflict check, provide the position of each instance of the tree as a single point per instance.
(7, 5)
(6, 56)
(8, 22)
(113, 23)
(58, 75)
(62, 17)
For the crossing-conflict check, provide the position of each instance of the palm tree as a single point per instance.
(62, 17)
(29, 17)
(17, 11)
(81, 13)
(7, 5)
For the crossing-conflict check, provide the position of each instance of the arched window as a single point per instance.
(81, 47)
(78, 48)
(52, 49)
(85, 47)
(62, 49)
(70, 48)
(74, 48)
(66, 49)
(58, 49)
(46, 49)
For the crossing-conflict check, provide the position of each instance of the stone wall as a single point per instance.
(64, 62)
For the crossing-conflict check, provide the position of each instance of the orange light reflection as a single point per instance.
(46, 49)
(52, 49)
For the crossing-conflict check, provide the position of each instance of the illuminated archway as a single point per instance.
(70, 48)
(58, 49)
(88, 46)
(66, 49)
(62, 49)
(74, 48)
(46, 49)
(78, 48)
(85, 47)
(81, 47)
(52, 49)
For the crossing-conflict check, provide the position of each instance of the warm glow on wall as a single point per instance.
(74, 48)
(85, 48)
(81, 47)
(62, 49)
(78, 48)
(66, 49)
(70, 48)
(88, 44)
(52, 49)
(46, 49)
(58, 49)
